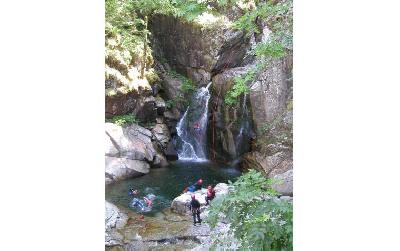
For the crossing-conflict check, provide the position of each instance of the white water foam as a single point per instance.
(194, 139)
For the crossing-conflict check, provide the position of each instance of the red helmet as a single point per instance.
(200, 181)
(193, 197)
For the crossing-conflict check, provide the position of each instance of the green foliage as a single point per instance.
(258, 220)
(269, 12)
(124, 119)
(279, 17)
(271, 49)
(247, 22)
(152, 76)
(190, 9)
(126, 31)
(121, 20)
(151, 7)
(239, 87)
(169, 104)
(187, 84)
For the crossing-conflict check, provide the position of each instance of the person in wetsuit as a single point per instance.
(149, 202)
(133, 193)
(195, 209)
(145, 204)
(194, 187)
(210, 194)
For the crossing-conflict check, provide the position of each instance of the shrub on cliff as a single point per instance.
(121, 120)
(258, 220)
(278, 15)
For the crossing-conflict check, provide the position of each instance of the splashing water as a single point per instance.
(192, 128)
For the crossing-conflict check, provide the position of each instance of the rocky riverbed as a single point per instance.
(171, 229)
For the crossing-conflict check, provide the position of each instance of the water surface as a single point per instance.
(168, 183)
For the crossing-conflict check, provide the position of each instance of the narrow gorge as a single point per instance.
(198, 102)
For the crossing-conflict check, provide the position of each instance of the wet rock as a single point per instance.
(232, 124)
(114, 220)
(159, 161)
(170, 152)
(164, 231)
(181, 203)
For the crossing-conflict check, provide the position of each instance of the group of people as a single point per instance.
(146, 204)
(194, 205)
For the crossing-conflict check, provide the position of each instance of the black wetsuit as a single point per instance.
(195, 208)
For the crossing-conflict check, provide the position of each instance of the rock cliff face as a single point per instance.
(204, 52)
(126, 92)
(231, 129)
(258, 128)
(197, 50)
(271, 101)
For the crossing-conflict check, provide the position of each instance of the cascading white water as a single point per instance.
(187, 151)
(244, 125)
(192, 128)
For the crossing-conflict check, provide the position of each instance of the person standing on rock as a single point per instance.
(210, 195)
(195, 208)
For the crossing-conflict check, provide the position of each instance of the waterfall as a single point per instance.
(192, 127)
(245, 128)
